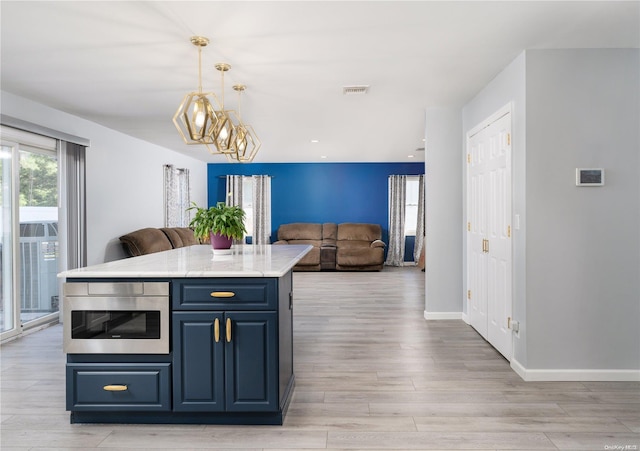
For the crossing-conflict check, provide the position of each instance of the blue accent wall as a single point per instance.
(320, 192)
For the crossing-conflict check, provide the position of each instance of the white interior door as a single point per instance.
(489, 270)
(477, 231)
(499, 236)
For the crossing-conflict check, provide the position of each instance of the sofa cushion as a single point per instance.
(330, 232)
(174, 237)
(359, 231)
(187, 236)
(180, 236)
(312, 258)
(360, 257)
(300, 231)
(145, 241)
(354, 244)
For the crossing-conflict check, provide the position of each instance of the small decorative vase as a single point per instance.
(220, 241)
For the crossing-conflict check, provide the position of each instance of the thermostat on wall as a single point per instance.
(589, 176)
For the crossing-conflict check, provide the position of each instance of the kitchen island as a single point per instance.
(182, 336)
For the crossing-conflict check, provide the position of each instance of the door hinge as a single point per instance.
(468, 158)
(508, 322)
(468, 227)
(508, 231)
(508, 139)
(469, 294)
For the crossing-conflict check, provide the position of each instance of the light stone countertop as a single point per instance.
(201, 261)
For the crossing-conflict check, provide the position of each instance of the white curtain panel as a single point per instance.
(417, 249)
(397, 201)
(234, 190)
(177, 196)
(261, 209)
(234, 195)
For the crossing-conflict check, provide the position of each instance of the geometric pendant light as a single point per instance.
(195, 118)
(223, 130)
(202, 119)
(245, 141)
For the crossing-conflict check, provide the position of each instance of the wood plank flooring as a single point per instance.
(371, 373)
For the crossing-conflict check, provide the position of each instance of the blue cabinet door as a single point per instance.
(251, 357)
(229, 367)
(198, 361)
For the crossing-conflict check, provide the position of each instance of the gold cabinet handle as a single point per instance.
(216, 330)
(222, 294)
(115, 388)
(228, 330)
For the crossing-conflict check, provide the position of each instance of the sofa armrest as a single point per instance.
(281, 242)
(378, 243)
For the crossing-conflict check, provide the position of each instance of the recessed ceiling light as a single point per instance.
(315, 141)
(324, 157)
(410, 156)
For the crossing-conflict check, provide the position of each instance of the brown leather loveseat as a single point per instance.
(150, 240)
(344, 247)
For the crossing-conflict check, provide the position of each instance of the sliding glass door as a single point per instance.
(9, 314)
(29, 236)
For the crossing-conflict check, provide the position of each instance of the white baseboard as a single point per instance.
(442, 315)
(465, 318)
(570, 375)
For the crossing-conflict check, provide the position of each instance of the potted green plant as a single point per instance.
(221, 224)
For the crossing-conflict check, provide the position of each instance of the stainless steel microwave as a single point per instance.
(116, 317)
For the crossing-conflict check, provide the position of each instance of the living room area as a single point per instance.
(384, 359)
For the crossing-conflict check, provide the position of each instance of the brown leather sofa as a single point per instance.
(344, 247)
(150, 240)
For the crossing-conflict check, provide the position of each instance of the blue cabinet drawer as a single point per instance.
(225, 294)
(118, 386)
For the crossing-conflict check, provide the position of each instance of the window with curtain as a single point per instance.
(397, 210)
(177, 197)
(406, 216)
(253, 195)
(411, 205)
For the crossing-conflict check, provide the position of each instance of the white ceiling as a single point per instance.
(127, 64)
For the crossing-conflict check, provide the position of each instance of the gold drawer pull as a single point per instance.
(228, 330)
(223, 294)
(216, 330)
(115, 388)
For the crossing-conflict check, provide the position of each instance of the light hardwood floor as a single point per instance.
(371, 374)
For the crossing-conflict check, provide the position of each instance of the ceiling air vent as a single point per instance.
(355, 90)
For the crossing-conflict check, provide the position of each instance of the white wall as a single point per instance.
(443, 221)
(124, 176)
(508, 87)
(577, 253)
(583, 244)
